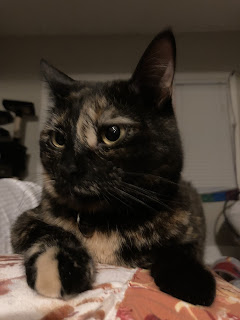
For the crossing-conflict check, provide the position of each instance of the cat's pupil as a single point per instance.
(112, 133)
(59, 138)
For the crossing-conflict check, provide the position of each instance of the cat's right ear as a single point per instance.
(58, 82)
(153, 76)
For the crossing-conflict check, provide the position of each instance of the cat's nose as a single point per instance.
(69, 170)
(73, 171)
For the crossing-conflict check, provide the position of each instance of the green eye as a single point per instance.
(113, 134)
(58, 140)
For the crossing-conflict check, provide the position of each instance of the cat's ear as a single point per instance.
(155, 71)
(58, 82)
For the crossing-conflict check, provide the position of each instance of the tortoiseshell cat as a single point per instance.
(113, 192)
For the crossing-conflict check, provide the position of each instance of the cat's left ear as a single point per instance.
(59, 83)
(154, 73)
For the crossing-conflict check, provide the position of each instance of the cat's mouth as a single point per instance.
(84, 194)
(90, 202)
(78, 199)
(86, 197)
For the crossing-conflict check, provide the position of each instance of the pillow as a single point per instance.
(16, 197)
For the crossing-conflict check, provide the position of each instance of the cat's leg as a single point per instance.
(177, 271)
(56, 263)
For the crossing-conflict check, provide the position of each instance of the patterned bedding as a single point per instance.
(118, 293)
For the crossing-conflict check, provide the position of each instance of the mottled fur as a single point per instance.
(120, 203)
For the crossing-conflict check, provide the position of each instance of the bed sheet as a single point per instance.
(118, 293)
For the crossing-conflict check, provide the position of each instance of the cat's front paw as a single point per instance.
(192, 283)
(60, 272)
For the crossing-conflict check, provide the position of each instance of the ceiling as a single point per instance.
(106, 17)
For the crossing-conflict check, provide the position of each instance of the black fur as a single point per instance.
(177, 272)
(121, 203)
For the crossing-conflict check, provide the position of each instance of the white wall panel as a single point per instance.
(203, 114)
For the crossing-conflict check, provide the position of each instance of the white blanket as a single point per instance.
(15, 197)
(19, 302)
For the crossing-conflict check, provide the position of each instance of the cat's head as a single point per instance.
(115, 140)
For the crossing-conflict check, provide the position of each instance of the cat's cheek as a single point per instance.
(47, 275)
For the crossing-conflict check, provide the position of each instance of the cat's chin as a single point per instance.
(90, 203)
(83, 200)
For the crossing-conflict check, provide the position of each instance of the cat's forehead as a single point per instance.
(98, 111)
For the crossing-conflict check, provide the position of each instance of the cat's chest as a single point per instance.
(104, 247)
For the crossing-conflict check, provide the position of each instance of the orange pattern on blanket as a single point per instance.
(59, 313)
(144, 301)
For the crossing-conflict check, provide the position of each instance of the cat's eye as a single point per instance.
(58, 140)
(113, 134)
